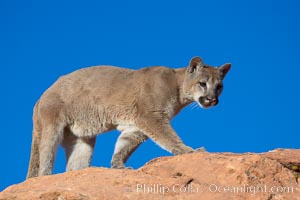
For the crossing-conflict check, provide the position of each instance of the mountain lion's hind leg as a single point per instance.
(127, 143)
(51, 137)
(78, 150)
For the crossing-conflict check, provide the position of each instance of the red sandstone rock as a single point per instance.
(271, 175)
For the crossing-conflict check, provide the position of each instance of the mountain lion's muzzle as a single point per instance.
(208, 101)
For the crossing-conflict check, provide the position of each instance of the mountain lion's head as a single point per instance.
(203, 83)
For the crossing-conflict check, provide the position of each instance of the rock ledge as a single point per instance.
(271, 175)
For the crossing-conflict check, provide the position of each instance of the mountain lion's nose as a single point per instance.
(211, 100)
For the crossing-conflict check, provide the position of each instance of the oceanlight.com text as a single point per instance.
(214, 188)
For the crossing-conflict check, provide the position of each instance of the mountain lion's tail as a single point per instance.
(34, 164)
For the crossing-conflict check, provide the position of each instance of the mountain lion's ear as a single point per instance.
(196, 64)
(224, 69)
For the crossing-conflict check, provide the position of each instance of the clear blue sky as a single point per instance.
(259, 108)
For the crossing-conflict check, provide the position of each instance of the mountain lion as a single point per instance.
(138, 103)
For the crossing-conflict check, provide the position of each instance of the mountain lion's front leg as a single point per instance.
(127, 143)
(161, 132)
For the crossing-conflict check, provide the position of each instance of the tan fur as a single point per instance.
(139, 103)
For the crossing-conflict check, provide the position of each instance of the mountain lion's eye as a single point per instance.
(219, 87)
(202, 84)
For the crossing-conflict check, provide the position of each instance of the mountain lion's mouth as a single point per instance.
(207, 102)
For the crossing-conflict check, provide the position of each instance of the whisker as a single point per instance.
(190, 106)
(194, 105)
(197, 106)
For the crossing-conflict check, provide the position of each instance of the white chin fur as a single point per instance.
(196, 99)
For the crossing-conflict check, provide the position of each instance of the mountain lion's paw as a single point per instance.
(201, 149)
